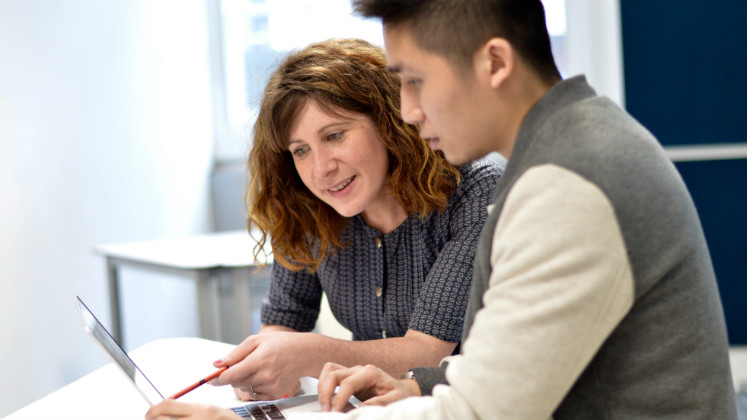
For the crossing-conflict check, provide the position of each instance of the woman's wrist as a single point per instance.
(315, 350)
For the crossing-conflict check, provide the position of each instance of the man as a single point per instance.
(594, 295)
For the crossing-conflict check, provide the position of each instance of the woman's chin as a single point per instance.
(347, 211)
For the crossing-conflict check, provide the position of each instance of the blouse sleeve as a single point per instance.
(443, 299)
(293, 300)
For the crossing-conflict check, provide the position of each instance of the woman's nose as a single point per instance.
(324, 164)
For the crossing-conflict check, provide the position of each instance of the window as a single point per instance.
(256, 34)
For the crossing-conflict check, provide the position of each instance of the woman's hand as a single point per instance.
(368, 383)
(170, 409)
(269, 365)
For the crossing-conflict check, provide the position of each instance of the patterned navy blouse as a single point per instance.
(416, 277)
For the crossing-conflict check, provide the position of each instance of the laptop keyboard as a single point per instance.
(259, 412)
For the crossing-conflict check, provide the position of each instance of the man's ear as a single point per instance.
(496, 60)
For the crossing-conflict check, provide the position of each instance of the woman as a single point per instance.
(357, 205)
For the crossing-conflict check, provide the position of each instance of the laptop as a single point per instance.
(259, 410)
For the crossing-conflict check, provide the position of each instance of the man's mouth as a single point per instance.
(343, 185)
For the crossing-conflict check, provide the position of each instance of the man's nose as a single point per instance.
(411, 112)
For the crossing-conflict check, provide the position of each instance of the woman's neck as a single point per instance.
(386, 215)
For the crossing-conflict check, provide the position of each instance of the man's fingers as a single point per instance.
(167, 408)
(346, 390)
(170, 409)
(347, 381)
(328, 381)
(356, 380)
(385, 399)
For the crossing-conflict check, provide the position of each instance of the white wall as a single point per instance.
(594, 45)
(105, 136)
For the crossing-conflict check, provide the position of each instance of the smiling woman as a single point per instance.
(343, 162)
(357, 205)
(334, 82)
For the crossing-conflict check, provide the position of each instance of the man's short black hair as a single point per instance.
(455, 29)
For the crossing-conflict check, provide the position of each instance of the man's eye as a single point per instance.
(414, 82)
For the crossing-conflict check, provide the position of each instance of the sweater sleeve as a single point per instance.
(560, 283)
(429, 377)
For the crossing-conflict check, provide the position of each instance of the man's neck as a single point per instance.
(521, 94)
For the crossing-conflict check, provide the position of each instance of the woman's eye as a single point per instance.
(414, 82)
(335, 136)
(300, 152)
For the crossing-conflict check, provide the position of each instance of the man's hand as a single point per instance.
(368, 383)
(170, 409)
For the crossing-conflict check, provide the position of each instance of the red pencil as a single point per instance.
(198, 383)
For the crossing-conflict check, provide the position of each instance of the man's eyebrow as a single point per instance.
(394, 69)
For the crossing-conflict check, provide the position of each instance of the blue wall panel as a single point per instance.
(685, 66)
(719, 189)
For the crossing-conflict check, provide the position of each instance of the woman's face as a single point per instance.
(342, 160)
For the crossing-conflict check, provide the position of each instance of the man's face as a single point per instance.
(444, 103)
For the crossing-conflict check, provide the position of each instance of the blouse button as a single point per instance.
(383, 333)
(377, 241)
(378, 291)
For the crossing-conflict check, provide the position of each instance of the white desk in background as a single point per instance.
(212, 260)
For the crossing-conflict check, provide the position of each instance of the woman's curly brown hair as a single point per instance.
(340, 75)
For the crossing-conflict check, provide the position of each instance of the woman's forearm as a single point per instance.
(393, 355)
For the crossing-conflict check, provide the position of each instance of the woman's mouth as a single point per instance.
(343, 185)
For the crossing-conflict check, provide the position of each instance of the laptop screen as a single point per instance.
(118, 355)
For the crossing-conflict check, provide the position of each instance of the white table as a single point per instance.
(211, 260)
(170, 364)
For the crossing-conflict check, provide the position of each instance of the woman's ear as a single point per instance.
(496, 60)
